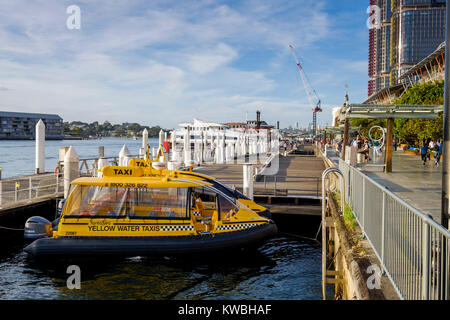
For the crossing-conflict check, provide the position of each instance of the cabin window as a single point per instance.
(205, 201)
(204, 207)
(95, 201)
(159, 203)
(227, 208)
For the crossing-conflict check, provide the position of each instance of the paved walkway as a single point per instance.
(419, 185)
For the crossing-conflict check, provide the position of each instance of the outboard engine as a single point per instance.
(37, 227)
(60, 207)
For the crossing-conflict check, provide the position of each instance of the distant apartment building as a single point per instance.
(21, 126)
(408, 32)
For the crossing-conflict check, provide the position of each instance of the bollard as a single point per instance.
(71, 163)
(187, 147)
(145, 142)
(161, 137)
(40, 147)
(16, 193)
(102, 162)
(248, 180)
(101, 152)
(124, 153)
(62, 154)
(173, 143)
(142, 153)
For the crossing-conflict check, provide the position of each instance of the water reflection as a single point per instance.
(282, 268)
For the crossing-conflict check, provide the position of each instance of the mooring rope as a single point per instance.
(297, 236)
(317, 234)
(12, 229)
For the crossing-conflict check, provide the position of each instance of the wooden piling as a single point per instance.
(388, 158)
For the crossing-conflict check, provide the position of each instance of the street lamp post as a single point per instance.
(446, 142)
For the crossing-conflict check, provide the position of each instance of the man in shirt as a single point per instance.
(438, 152)
(424, 152)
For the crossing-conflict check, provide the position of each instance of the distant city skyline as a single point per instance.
(166, 62)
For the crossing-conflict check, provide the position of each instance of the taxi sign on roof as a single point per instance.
(118, 171)
(142, 163)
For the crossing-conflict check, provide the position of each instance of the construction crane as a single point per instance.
(310, 92)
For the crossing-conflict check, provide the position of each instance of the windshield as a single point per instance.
(228, 190)
(96, 201)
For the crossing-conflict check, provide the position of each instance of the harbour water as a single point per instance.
(17, 157)
(284, 267)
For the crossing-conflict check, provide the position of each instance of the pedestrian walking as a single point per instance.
(430, 144)
(424, 152)
(438, 152)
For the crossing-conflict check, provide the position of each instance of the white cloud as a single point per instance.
(151, 62)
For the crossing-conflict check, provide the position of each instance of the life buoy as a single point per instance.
(57, 170)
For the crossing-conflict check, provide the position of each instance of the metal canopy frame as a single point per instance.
(340, 129)
(394, 111)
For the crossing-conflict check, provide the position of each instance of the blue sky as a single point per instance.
(164, 62)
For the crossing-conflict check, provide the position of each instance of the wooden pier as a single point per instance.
(295, 191)
(21, 191)
(298, 177)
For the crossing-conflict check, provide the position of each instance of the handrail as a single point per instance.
(424, 216)
(410, 245)
(324, 244)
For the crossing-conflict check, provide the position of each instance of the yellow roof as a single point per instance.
(139, 182)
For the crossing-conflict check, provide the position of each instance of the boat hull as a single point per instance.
(141, 246)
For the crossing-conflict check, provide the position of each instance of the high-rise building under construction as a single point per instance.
(405, 32)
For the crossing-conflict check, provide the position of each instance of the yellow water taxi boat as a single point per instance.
(188, 173)
(145, 209)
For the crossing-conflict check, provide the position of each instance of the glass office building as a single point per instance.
(379, 48)
(410, 30)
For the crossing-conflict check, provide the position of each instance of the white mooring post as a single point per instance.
(145, 141)
(161, 137)
(102, 162)
(248, 180)
(71, 163)
(187, 147)
(40, 147)
(101, 152)
(173, 147)
(124, 156)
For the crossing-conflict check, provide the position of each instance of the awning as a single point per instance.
(375, 111)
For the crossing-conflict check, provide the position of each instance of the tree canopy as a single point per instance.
(412, 131)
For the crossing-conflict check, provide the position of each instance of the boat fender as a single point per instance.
(37, 227)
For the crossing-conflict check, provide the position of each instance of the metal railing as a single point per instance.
(89, 166)
(29, 188)
(412, 248)
(297, 184)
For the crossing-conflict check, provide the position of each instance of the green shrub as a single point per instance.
(349, 217)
